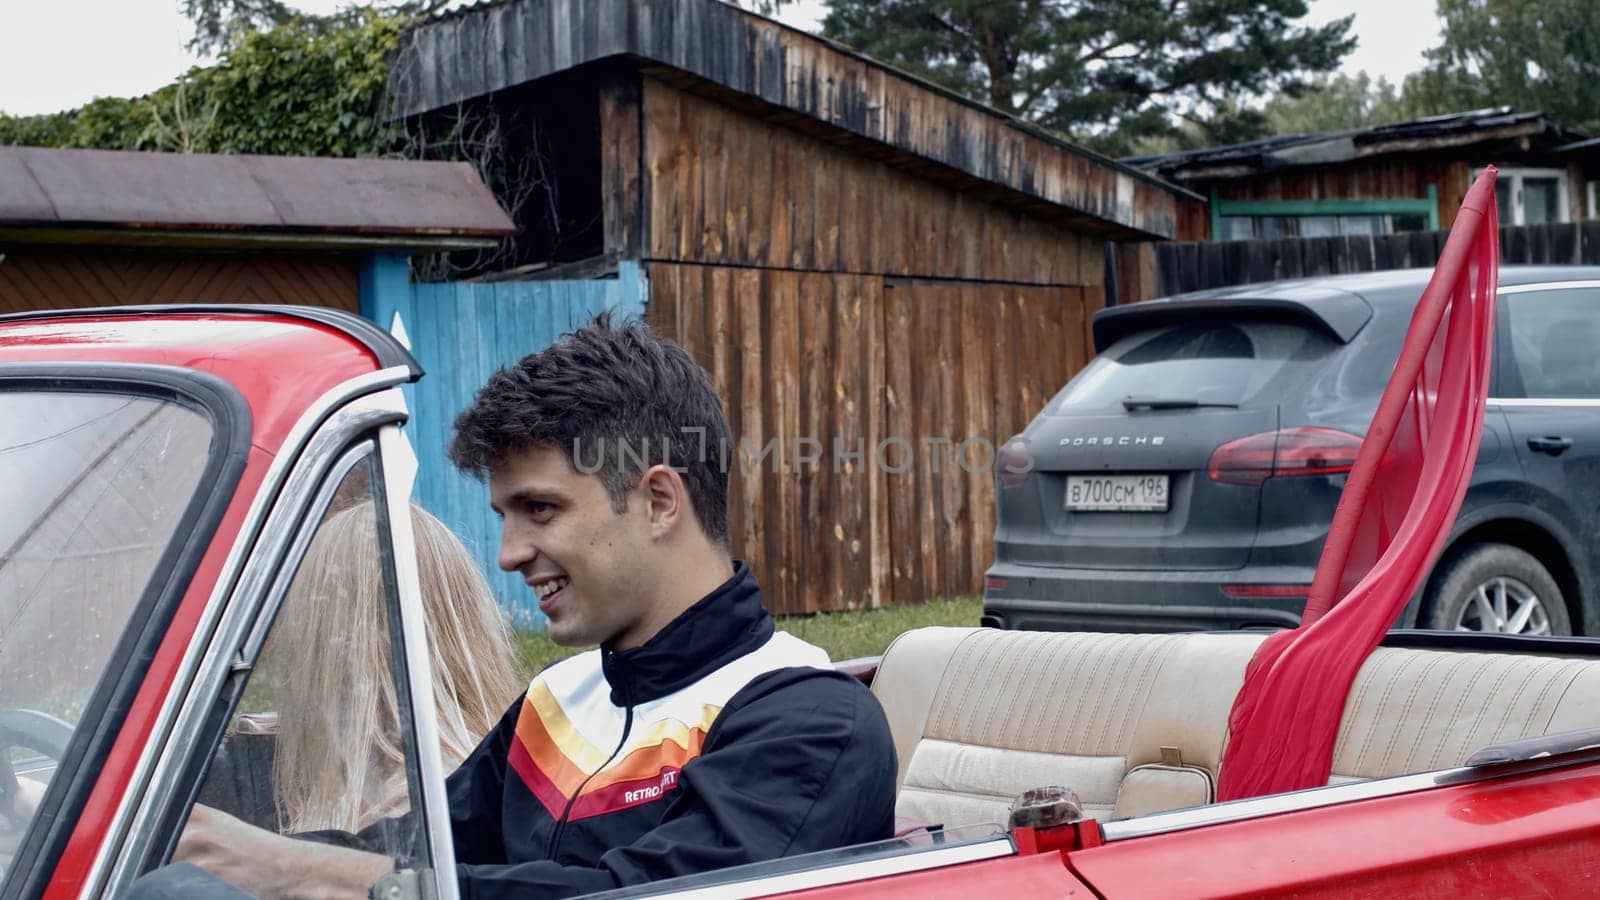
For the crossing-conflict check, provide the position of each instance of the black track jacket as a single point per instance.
(716, 743)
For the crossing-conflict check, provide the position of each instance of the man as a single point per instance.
(695, 737)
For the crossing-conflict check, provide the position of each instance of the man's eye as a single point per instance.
(540, 508)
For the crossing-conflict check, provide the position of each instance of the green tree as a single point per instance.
(1111, 73)
(222, 24)
(107, 123)
(300, 88)
(1539, 55)
(303, 90)
(1339, 102)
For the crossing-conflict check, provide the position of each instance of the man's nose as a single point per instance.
(515, 551)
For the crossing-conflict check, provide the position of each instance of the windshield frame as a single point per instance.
(124, 673)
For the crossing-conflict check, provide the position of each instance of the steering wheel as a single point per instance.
(31, 730)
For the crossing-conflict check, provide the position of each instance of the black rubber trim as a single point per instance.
(1484, 642)
(382, 344)
(108, 706)
(1153, 618)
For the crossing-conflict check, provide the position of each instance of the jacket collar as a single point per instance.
(719, 628)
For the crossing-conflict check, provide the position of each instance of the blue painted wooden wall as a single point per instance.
(462, 334)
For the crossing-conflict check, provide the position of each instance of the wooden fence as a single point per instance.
(1143, 271)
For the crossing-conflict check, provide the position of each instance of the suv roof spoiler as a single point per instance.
(1339, 313)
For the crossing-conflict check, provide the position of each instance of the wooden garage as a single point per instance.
(886, 280)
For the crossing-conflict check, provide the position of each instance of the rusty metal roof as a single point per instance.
(178, 198)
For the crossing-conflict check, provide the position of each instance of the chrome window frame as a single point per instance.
(398, 472)
(1335, 795)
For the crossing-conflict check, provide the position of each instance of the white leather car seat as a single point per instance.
(1137, 723)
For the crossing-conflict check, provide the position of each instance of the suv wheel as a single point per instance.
(1495, 588)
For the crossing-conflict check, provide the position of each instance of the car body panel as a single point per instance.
(1526, 836)
(1039, 875)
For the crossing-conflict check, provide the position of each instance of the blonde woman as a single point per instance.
(338, 696)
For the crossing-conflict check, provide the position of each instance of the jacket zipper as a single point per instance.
(554, 843)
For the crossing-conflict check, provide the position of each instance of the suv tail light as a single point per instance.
(1278, 454)
(1012, 463)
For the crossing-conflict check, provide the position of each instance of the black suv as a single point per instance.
(1186, 478)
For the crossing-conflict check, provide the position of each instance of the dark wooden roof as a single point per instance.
(1495, 130)
(491, 47)
(102, 196)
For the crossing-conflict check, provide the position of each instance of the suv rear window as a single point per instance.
(1227, 363)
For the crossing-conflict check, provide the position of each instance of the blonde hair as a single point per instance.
(339, 761)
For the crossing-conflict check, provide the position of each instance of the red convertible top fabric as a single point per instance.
(1391, 523)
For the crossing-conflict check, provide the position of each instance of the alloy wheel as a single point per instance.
(1504, 605)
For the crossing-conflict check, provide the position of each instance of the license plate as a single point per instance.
(1117, 493)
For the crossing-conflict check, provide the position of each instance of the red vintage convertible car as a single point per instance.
(167, 470)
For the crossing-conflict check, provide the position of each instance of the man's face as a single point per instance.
(586, 564)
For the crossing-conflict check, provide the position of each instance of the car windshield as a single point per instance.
(96, 485)
(1205, 363)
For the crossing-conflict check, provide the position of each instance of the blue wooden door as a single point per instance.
(462, 334)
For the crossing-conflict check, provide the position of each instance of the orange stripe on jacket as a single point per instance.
(547, 741)
(648, 761)
(543, 752)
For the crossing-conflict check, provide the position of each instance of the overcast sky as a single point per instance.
(58, 54)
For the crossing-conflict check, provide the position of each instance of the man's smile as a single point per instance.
(548, 590)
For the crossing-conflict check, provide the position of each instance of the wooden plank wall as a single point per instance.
(1160, 270)
(855, 362)
(833, 295)
(33, 279)
(726, 188)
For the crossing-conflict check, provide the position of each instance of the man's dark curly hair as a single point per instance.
(615, 399)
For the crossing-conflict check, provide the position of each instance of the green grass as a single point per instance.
(845, 635)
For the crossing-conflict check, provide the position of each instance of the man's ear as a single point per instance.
(666, 499)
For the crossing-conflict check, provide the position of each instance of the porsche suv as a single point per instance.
(1186, 478)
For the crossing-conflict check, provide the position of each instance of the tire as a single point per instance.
(1495, 588)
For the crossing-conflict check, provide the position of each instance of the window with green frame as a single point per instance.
(1242, 220)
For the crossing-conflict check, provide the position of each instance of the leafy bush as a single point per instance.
(298, 89)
